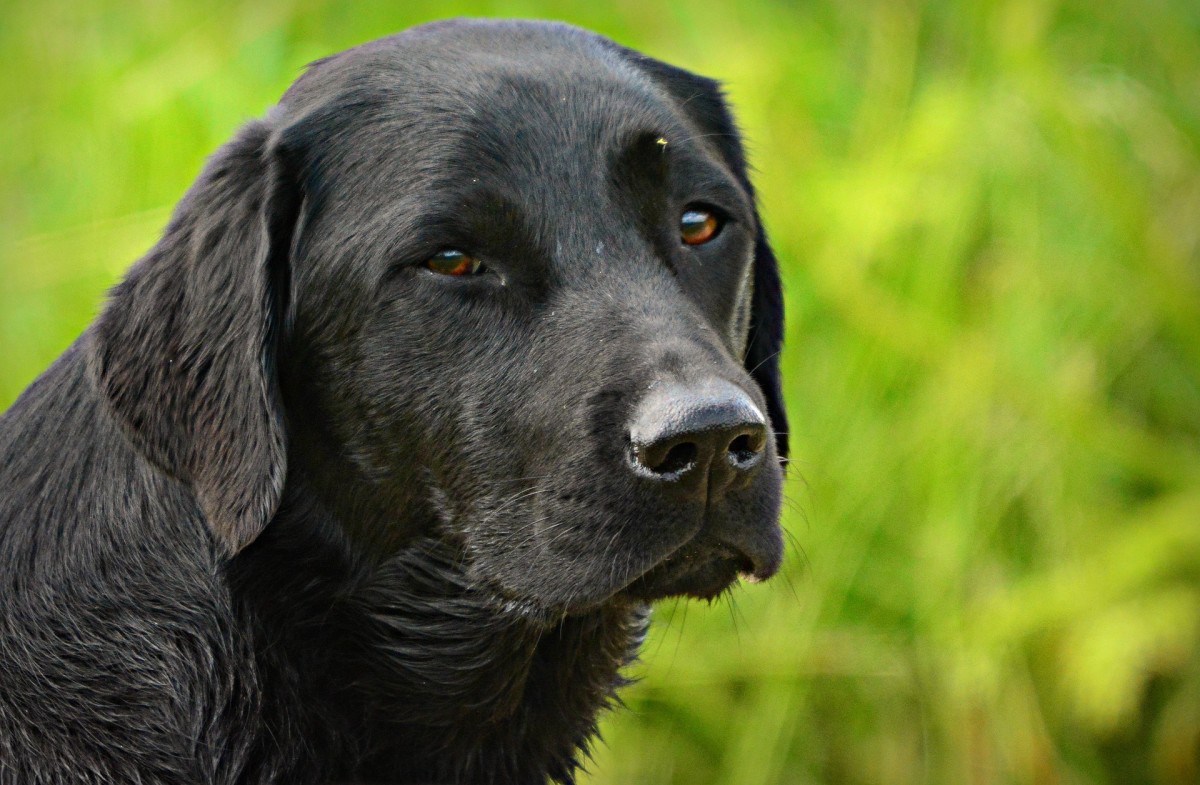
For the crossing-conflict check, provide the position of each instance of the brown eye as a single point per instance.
(698, 226)
(454, 263)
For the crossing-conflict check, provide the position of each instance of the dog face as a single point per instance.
(505, 280)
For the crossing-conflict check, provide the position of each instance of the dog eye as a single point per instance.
(454, 263)
(698, 225)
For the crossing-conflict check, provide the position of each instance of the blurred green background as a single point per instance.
(989, 218)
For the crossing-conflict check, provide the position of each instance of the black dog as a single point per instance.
(370, 468)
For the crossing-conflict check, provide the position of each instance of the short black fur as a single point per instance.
(296, 509)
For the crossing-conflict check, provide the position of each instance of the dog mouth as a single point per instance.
(697, 572)
(563, 568)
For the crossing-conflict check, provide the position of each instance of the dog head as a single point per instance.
(505, 280)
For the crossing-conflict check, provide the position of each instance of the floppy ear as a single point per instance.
(185, 350)
(701, 101)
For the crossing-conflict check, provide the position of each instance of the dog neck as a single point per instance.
(436, 678)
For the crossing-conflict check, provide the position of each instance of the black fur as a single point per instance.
(296, 509)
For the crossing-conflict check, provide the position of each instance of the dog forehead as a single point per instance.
(474, 103)
(455, 56)
(505, 82)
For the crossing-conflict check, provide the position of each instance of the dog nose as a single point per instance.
(697, 441)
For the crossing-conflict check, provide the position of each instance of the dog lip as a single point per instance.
(688, 574)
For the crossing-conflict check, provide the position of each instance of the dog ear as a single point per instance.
(185, 350)
(701, 101)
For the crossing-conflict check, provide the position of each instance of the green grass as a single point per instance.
(989, 216)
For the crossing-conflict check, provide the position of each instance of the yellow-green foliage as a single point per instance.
(989, 216)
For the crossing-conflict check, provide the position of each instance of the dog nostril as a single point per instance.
(746, 449)
(677, 459)
(739, 449)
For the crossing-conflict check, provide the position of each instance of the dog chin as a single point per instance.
(694, 573)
